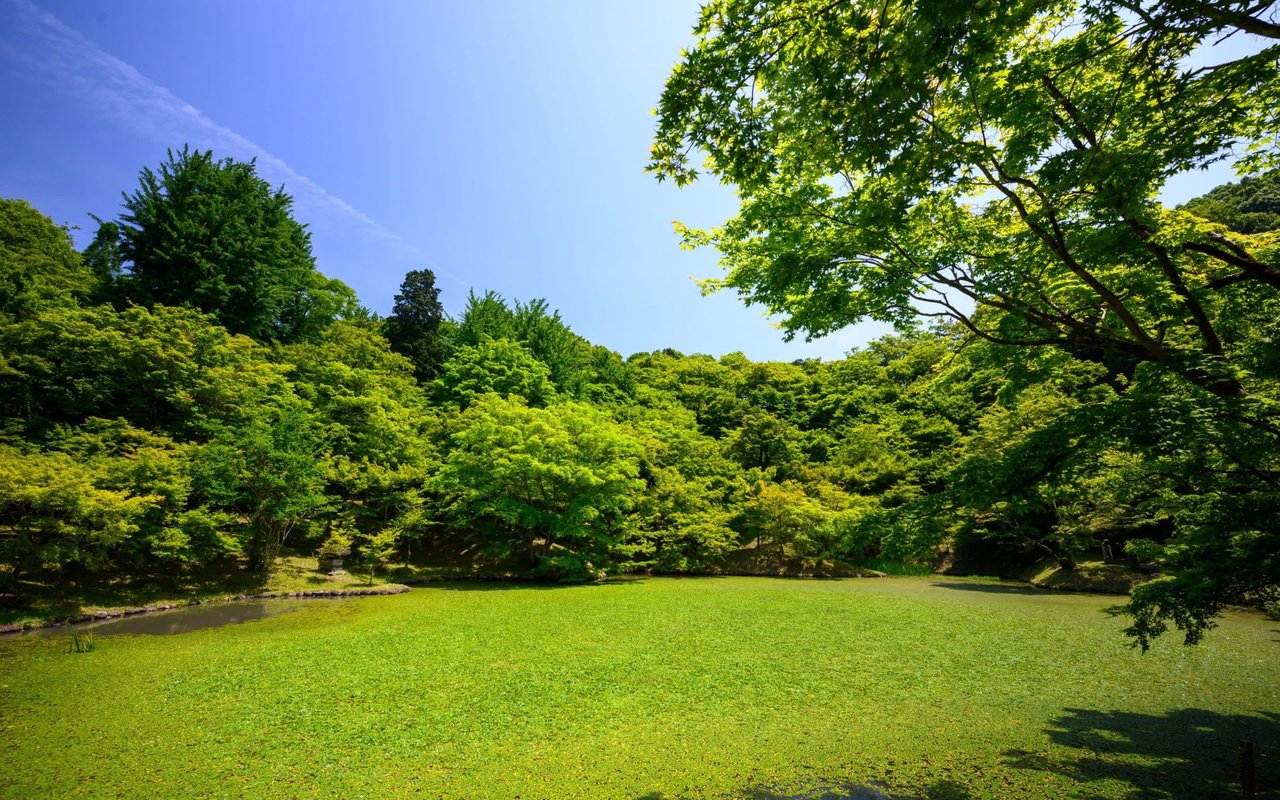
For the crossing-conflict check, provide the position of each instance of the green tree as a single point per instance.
(374, 429)
(414, 327)
(166, 369)
(782, 514)
(610, 380)
(38, 264)
(566, 354)
(493, 365)
(1250, 206)
(903, 160)
(1020, 469)
(1195, 17)
(214, 236)
(485, 316)
(550, 484)
(764, 442)
(1199, 492)
(701, 384)
(997, 164)
(270, 471)
(171, 530)
(55, 510)
(572, 366)
(682, 519)
(778, 389)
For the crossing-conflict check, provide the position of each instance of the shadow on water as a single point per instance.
(992, 588)
(1189, 753)
(939, 790)
(1185, 753)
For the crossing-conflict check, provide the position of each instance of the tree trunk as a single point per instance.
(264, 546)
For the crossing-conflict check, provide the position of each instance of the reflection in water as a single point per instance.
(185, 620)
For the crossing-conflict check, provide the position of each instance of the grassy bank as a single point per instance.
(656, 688)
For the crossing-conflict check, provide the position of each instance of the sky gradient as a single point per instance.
(502, 145)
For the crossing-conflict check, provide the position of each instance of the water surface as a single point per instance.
(185, 619)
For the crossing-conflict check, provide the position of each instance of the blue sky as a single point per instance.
(500, 144)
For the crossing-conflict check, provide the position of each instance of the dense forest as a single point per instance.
(191, 391)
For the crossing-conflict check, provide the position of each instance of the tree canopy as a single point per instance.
(551, 484)
(38, 262)
(210, 234)
(991, 163)
(997, 165)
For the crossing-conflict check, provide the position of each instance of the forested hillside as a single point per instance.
(192, 393)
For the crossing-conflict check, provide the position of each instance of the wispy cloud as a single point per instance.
(48, 49)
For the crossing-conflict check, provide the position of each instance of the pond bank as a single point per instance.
(113, 613)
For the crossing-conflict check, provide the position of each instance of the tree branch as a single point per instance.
(1236, 256)
(1213, 343)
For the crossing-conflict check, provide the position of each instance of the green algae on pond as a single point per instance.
(658, 688)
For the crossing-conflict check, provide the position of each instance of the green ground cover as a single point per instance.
(656, 688)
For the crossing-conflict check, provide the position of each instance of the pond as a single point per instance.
(185, 619)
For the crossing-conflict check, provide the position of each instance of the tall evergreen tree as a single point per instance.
(413, 329)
